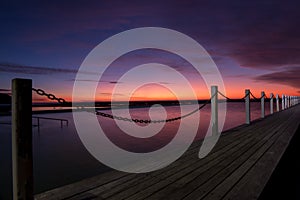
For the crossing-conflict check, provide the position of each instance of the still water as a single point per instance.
(60, 158)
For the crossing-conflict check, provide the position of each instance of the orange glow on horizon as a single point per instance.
(156, 92)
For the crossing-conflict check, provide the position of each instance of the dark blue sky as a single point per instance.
(255, 44)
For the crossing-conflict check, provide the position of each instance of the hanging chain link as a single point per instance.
(63, 101)
(264, 96)
(230, 98)
(49, 96)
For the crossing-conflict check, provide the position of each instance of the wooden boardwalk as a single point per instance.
(238, 167)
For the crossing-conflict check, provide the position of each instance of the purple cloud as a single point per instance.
(289, 76)
(25, 69)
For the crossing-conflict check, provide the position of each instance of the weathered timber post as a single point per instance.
(262, 102)
(247, 106)
(282, 102)
(277, 102)
(214, 110)
(271, 103)
(22, 165)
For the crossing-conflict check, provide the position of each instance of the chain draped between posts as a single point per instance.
(49, 96)
(63, 101)
(254, 97)
(223, 95)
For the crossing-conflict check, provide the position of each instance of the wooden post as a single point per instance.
(277, 102)
(271, 103)
(22, 164)
(214, 110)
(282, 102)
(262, 102)
(247, 106)
(285, 102)
(294, 100)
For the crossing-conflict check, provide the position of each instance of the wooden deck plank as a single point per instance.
(215, 172)
(155, 175)
(249, 157)
(80, 187)
(197, 166)
(250, 188)
(168, 177)
(150, 188)
(233, 179)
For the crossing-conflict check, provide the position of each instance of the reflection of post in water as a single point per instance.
(22, 139)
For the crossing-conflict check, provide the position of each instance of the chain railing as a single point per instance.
(49, 96)
(223, 95)
(254, 97)
(146, 121)
(62, 101)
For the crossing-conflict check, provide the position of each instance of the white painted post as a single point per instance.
(262, 102)
(214, 110)
(293, 100)
(288, 101)
(277, 102)
(282, 102)
(271, 103)
(22, 165)
(247, 106)
(285, 102)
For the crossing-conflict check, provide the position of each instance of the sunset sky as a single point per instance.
(255, 44)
